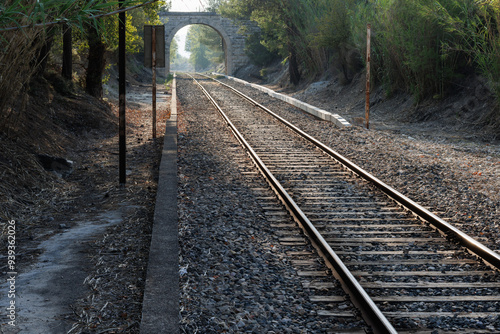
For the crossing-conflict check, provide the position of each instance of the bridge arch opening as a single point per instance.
(199, 47)
(232, 43)
(232, 39)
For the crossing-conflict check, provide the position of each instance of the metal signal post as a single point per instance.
(153, 61)
(121, 91)
(154, 56)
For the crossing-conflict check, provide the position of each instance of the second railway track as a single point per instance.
(420, 281)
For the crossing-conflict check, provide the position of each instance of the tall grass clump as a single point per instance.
(476, 26)
(313, 59)
(17, 53)
(485, 48)
(408, 45)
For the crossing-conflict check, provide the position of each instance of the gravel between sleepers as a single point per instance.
(235, 276)
(459, 180)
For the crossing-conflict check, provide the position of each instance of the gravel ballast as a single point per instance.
(235, 276)
(457, 179)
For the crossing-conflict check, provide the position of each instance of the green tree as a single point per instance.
(213, 5)
(26, 32)
(198, 57)
(206, 47)
(107, 39)
(174, 50)
(284, 28)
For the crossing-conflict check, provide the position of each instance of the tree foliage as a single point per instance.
(419, 46)
(29, 29)
(206, 47)
(424, 46)
(285, 27)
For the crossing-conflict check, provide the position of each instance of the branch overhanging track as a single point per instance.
(387, 249)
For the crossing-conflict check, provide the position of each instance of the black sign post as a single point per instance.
(154, 56)
(121, 93)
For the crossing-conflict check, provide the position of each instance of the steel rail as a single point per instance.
(372, 314)
(465, 240)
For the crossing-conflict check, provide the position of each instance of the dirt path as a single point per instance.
(85, 269)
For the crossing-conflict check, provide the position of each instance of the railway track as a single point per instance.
(411, 276)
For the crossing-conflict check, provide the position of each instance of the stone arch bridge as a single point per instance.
(233, 42)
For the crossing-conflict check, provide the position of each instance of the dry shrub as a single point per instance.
(18, 49)
(18, 53)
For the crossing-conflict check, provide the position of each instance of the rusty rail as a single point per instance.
(372, 314)
(465, 240)
(474, 246)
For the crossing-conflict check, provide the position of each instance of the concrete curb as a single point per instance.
(320, 113)
(160, 308)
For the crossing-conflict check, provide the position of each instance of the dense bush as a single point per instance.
(257, 52)
(30, 33)
(419, 46)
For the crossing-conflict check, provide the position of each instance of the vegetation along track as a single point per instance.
(415, 277)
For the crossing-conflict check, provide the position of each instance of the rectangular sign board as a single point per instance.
(160, 45)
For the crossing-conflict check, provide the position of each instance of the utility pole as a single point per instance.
(121, 92)
(154, 56)
(153, 63)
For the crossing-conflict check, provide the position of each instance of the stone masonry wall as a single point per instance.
(234, 42)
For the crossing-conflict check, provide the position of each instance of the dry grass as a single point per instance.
(84, 130)
(21, 177)
(119, 257)
(18, 49)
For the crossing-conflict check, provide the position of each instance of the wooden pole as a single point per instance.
(368, 47)
(121, 92)
(153, 63)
